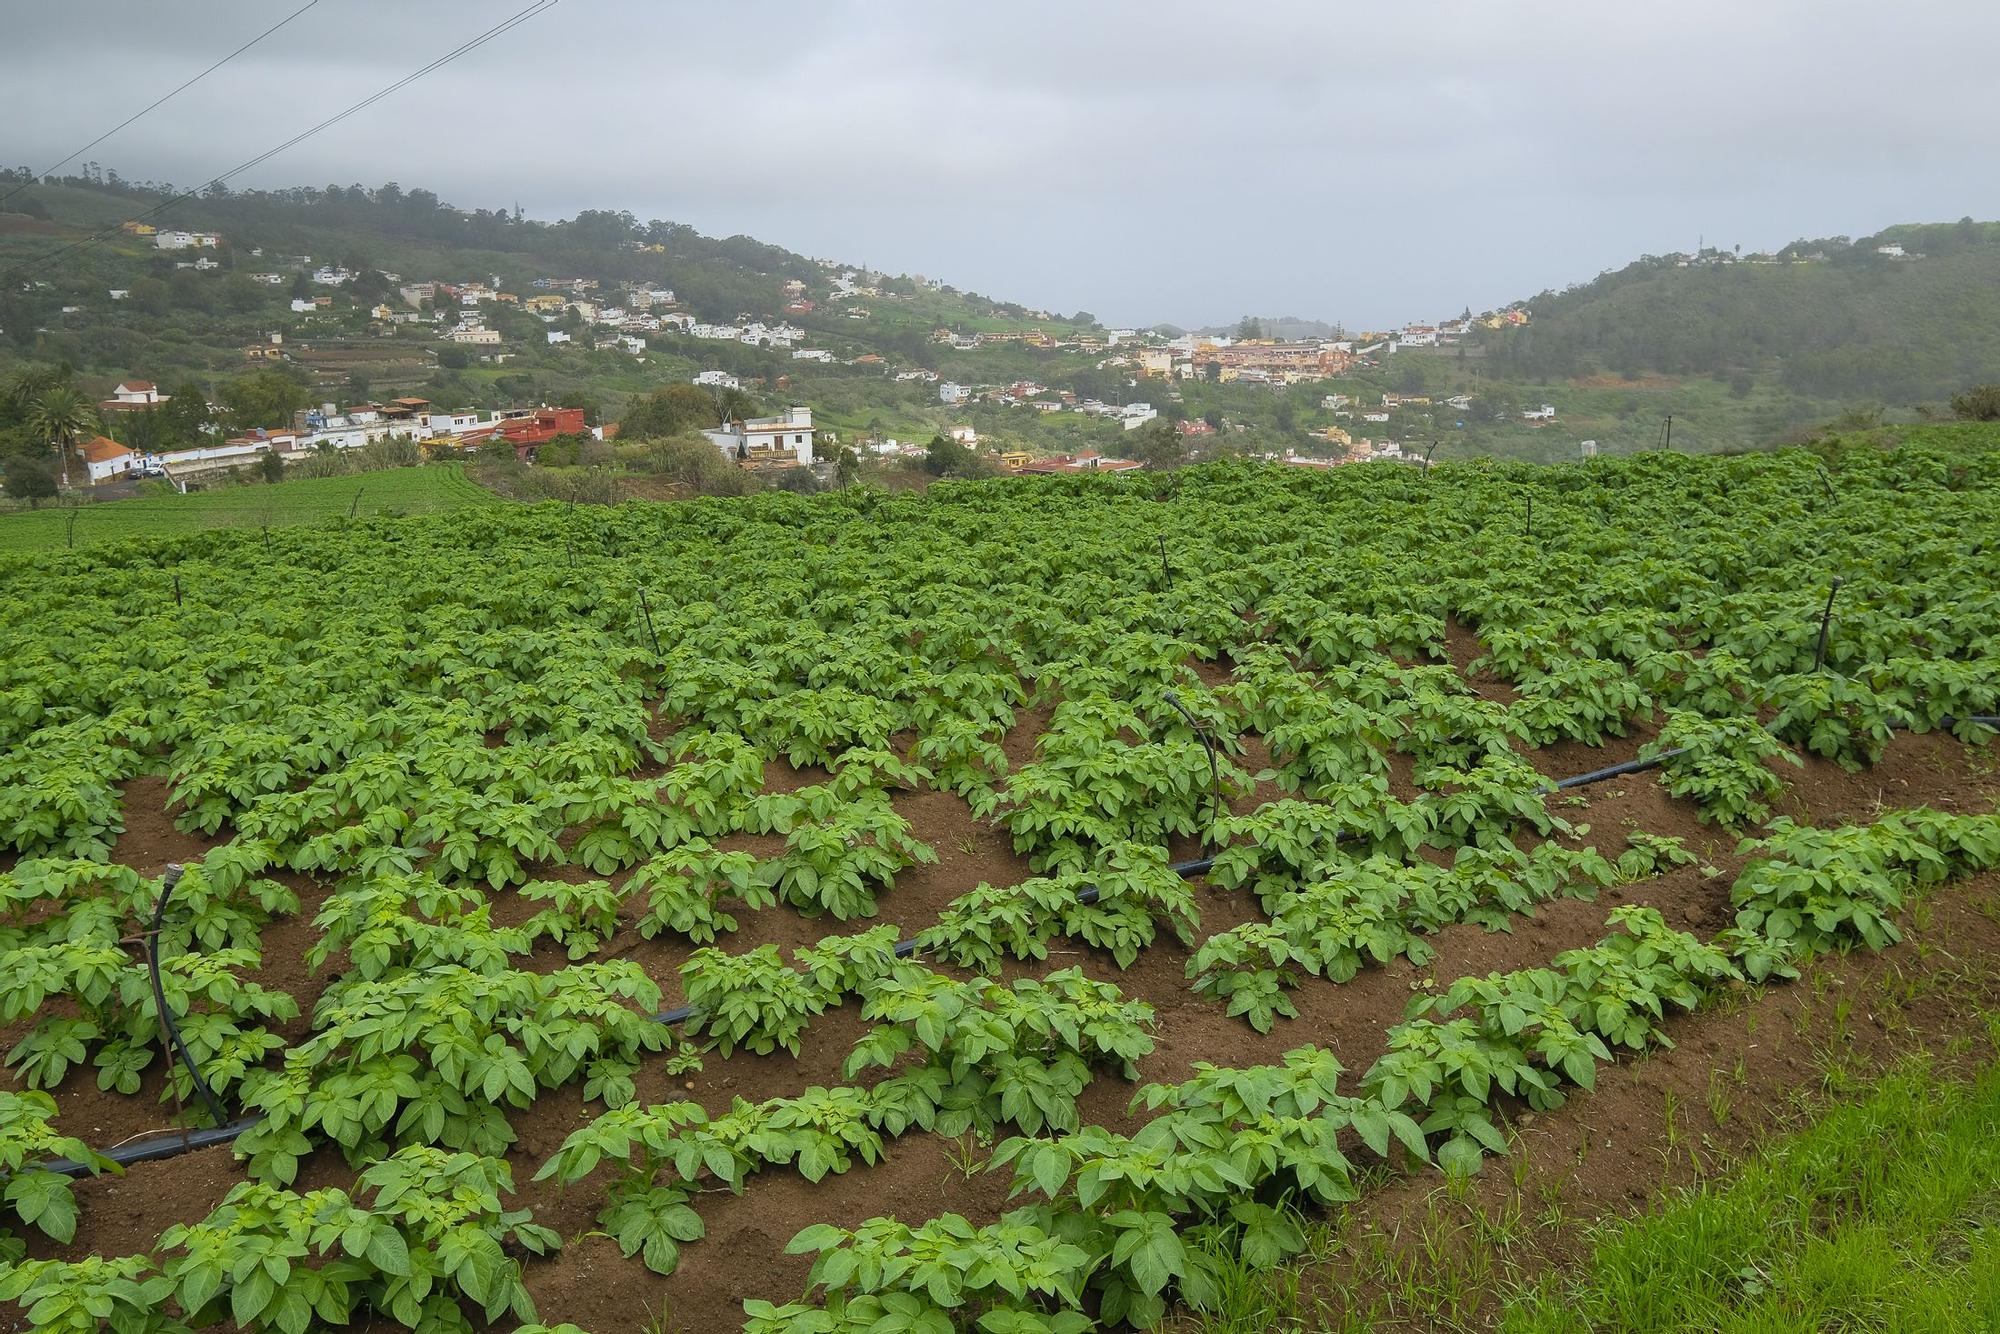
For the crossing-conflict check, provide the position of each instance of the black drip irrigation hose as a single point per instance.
(173, 1143)
(1201, 735)
(176, 1046)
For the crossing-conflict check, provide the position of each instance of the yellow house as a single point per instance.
(550, 302)
(137, 228)
(1338, 435)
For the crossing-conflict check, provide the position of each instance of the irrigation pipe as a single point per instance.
(176, 1045)
(174, 1143)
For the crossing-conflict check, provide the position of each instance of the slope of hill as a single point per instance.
(176, 322)
(1834, 318)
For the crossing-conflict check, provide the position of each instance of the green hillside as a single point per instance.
(1740, 350)
(1831, 318)
(178, 325)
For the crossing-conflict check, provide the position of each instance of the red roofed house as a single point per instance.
(529, 432)
(106, 458)
(134, 396)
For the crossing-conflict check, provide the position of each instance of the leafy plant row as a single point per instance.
(1124, 1224)
(963, 1056)
(430, 1241)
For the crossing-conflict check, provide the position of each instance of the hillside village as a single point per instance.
(490, 320)
(468, 350)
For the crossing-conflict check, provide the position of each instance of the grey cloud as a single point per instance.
(1157, 160)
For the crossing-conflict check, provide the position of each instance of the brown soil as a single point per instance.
(1948, 961)
(1738, 1074)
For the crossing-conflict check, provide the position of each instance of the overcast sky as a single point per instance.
(1145, 160)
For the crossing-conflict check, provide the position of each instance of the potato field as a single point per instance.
(1018, 908)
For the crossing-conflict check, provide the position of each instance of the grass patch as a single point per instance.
(426, 490)
(1883, 1214)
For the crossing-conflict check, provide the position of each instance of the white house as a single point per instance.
(812, 354)
(268, 279)
(775, 335)
(136, 393)
(452, 423)
(1136, 415)
(952, 392)
(557, 336)
(302, 304)
(1892, 251)
(718, 380)
(120, 293)
(763, 438)
(106, 458)
(475, 333)
(1545, 413)
(186, 240)
(331, 275)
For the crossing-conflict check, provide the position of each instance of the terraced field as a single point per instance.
(1030, 906)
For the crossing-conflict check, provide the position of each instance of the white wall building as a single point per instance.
(186, 240)
(952, 392)
(106, 458)
(763, 438)
(718, 380)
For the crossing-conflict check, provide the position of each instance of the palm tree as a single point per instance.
(23, 382)
(60, 415)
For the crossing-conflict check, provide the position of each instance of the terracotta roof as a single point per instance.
(99, 449)
(137, 386)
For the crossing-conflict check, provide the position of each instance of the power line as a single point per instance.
(465, 48)
(50, 170)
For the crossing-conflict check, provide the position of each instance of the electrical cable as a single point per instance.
(50, 170)
(473, 44)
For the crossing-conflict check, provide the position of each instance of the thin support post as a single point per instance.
(647, 611)
(1825, 623)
